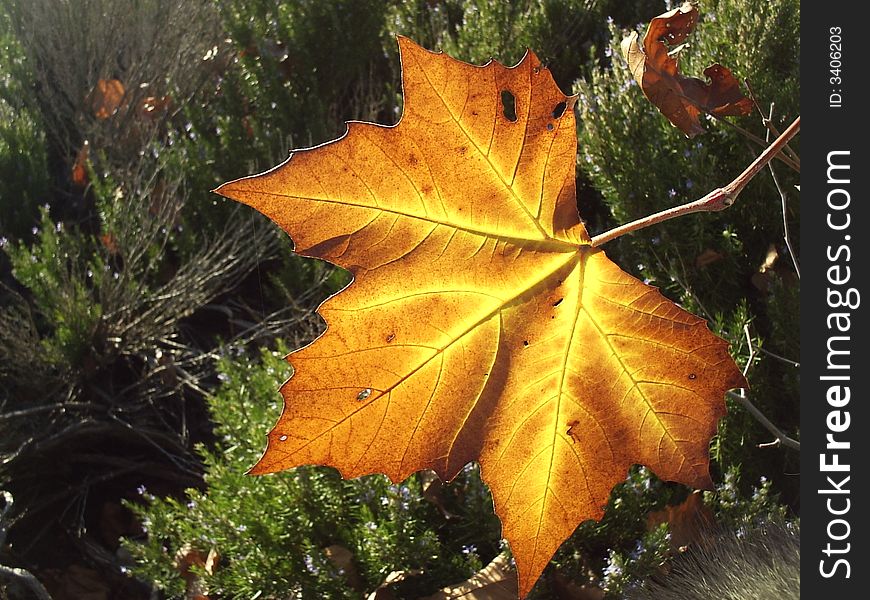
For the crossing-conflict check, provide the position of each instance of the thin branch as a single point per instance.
(60, 406)
(787, 160)
(781, 438)
(751, 346)
(784, 203)
(788, 361)
(35, 586)
(767, 121)
(717, 200)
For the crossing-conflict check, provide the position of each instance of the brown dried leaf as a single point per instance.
(343, 560)
(688, 522)
(681, 99)
(79, 172)
(708, 257)
(106, 98)
(496, 581)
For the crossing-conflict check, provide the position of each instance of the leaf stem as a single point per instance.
(718, 199)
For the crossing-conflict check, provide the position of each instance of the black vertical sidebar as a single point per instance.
(835, 363)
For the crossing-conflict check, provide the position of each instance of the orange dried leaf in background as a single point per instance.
(688, 522)
(152, 107)
(681, 99)
(109, 242)
(708, 257)
(481, 325)
(106, 98)
(79, 172)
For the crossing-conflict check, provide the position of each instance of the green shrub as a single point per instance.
(272, 531)
(24, 180)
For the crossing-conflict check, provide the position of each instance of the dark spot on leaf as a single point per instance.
(571, 433)
(559, 109)
(426, 188)
(462, 150)
(549, 127)
(525, 342)
(509, 106)
(412, 160)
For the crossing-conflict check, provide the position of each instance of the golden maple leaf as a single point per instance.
(481, 324)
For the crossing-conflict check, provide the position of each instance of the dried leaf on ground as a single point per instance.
(481, 324)
(106, 98)
(496, 581)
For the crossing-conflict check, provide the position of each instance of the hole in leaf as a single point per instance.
(558, 302)
(509, 106)
(559, 109)
(364, 394)
(525, 342)
(692, 376)
(549, 127)
(283, 438)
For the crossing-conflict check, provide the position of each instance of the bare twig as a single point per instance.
(788, 361)
(751, 346)
(787, 160)
(767, 121)
(718, 199)
(784, 202)
(781, 438)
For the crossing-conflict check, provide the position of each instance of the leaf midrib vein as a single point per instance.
(547, 244)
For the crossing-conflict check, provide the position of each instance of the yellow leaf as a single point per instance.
(481, 325)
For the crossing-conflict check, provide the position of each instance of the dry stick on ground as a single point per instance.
(718, 199)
